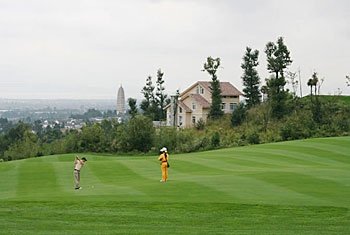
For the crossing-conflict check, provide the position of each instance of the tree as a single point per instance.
(312, 82)
(133, 108)
(315, 104)
(347, 80)
(161, 97)
(211, 66)
(239, 115)
(5, 125)
(26, 147)
(90, 138)
(18, 132)
(278, 59)
(251, 79)
(139, 134)
(147, 92)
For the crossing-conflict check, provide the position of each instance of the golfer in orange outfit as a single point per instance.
(163, 157)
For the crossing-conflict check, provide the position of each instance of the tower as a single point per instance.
(120, 101)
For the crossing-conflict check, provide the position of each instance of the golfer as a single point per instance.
(163, 158)
(78, 164)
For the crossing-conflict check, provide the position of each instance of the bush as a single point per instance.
(253, 138)
(239, 115)
(215, 140)
(200, 125)
(166, 136)
(139, 134)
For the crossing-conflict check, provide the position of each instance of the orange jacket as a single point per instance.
(163, 158)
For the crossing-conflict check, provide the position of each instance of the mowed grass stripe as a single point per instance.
(37, 178)
(196, 166)
(146, 167)
(240, 187)
(250, 159)
(265, 156)
(8, 178)
(340, 176)
(335, 193)
(330, 151)
(177, 189)
(302, 153)
(181, 218)
(107, 176)
(113, 171)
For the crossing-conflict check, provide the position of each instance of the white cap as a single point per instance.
(163, 149)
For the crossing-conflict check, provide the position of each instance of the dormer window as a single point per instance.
(200, 90)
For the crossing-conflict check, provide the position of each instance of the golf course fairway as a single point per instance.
(296, 187)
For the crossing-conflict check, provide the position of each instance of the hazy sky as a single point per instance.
(87, 48)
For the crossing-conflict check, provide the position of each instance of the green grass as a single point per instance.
(298, 187)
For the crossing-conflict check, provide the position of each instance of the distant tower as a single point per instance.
(120, 101)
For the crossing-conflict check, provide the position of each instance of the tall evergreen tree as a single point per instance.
(161, 97)
(133, 107)
(251, 79)
(211, 66)
(278, 59)
(148, 94)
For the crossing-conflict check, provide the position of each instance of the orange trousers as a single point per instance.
(164, 168)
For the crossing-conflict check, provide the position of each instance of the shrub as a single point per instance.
(200, 125)
(253, 138)
(215, 140)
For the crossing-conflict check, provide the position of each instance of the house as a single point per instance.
(194, 103)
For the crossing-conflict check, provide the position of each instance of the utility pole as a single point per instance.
(175, 100)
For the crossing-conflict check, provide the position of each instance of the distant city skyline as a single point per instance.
(85, 49)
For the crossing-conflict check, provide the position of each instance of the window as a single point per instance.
(193, 119)
(180, 110)
(223, 106)
(193, 106)
(200, 90)
(233, 106)
(180, 120)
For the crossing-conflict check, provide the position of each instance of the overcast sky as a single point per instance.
(86, 49)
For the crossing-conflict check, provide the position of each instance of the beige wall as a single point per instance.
(228, 101)
(206, 94)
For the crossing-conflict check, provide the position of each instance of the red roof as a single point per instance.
(227, 89)
(200, 99)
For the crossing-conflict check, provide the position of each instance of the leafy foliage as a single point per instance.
(139, 134)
